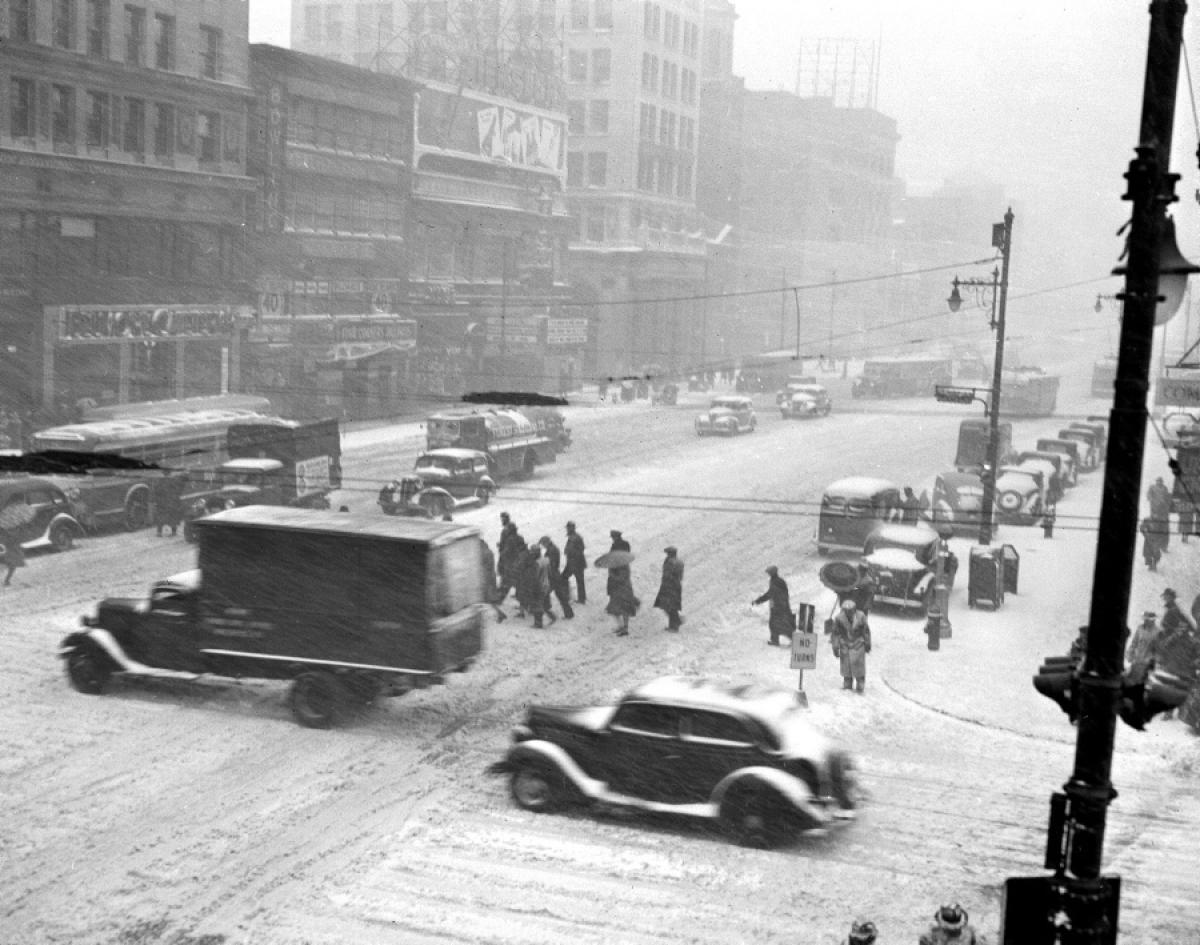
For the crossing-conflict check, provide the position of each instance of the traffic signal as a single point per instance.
(1058, 680)
(1146, 691)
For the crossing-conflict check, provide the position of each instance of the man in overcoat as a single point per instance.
(851, 639)
(781, 622)
(670, 589)
(575, 563)
(558, 580)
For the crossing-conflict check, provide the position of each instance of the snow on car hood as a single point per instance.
(895, 559)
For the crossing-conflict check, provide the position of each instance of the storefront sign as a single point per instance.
(566, 331)
(518, 329)
(400, 334)
(1178, 391)
(95, 323)
(458, 123)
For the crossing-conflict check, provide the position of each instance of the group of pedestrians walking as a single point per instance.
(1171, 643)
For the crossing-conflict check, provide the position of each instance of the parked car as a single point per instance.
(1061, 465)
(727, 415)
(1068, 449)
(900, 559)
(793, 383)
(38, 513)
(1021, 494)
(957, 502)
(1089, 446)
(851, 509)
(1099, 429)
(741, 755)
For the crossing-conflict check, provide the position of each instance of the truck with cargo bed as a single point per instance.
(347, 607)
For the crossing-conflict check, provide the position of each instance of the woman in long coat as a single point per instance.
(529, 593)
(670, 590)
(622, 603)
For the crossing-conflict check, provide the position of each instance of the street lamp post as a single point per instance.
(1002, 240)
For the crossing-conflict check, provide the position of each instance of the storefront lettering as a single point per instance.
(97, 323)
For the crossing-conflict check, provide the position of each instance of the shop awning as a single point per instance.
(352, 351)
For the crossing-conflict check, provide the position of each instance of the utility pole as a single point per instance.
(1004, 239)
(1077, 905)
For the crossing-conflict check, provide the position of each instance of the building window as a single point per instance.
(666, 129)
(577, 64)
(597, 168)
(164, 41)
(691, 39)
(134, 139)
(687, 133)
(135, 36)
(210, 52)
(208, 136)
(650, 20)
(671, 30)
(670, 78)
(645, 171)
(685, 180)
(312, 23)
(62, 110)
(62, 23)
(603, 15)
(595, 225)
(97, 119)
(21, 113)
(579, 14)
(575, 117)
(601, 65)
(575, 169)
(20, 20)
(333, 23)
(666, 177)
(687, 90)
(164, 131)
(97, 28)
(649, 72)
(649, 121)
(598, 116)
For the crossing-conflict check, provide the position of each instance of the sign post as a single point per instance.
(804, 647)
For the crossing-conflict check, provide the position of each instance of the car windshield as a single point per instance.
(434, 462)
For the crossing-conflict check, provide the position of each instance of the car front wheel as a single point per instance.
(538, 787)
(88, 669)
(759, 818)
(137, 511)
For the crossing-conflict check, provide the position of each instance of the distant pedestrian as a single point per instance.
(622, 602)
(542, 605)
(12, 555)
(575, 563)
(491, 594)
(1153, 540)
(851, 639)
(670, 589)
(781, 622)
(508, 551)
(862, 592)
(1174, 619)
(558, 582)
(1159, 497)
(1141, 645)
(910, 507)
(166, 495)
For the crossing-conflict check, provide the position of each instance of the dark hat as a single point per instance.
(671, 549)
(504, 516)
(771, 569)
(544, 540)
(1169, 592)
(863, 933)
(615, 534)
(570, 526)
(951, 917)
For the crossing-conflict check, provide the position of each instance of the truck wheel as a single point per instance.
(189, 533)
(483, 494)
(137, 510)
(88, 669)
(62, 536)
(318, 699)
(537, 786)
(1009, 501)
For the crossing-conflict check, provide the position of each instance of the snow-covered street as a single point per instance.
(201, 813)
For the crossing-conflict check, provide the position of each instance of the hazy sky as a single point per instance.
(1042, 97)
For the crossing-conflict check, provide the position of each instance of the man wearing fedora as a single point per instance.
(670, 590)
(574, 562)
(781, 622)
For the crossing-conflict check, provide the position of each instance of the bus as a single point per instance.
(162, 408)
(196, 438)
(1028, 392)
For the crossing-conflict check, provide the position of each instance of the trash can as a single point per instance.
(1012, 567)
(985, 582)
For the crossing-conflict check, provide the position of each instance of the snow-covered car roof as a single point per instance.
(895, 559)
(453, 452)
(765, 703)
(857, 487)
(905, 536)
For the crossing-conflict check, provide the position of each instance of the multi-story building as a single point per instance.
(122, 197)
(817, 197)
(331, 150)
(633, 89)
(488, 224)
